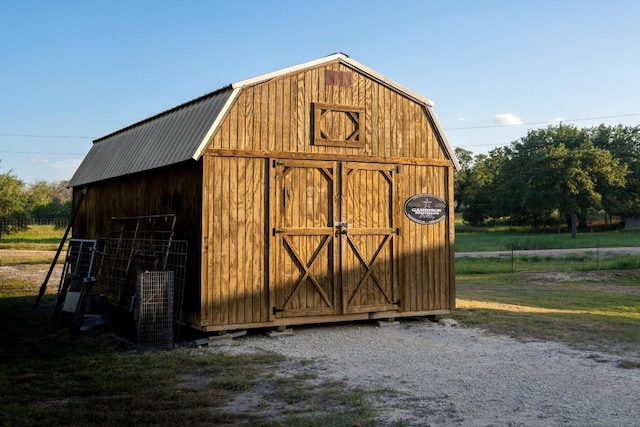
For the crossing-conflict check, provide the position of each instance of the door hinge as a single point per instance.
(398, 303)
(398, 169)
(277, 231)
(276, 310)
(398, 231)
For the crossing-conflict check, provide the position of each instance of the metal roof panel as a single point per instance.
(167, 138)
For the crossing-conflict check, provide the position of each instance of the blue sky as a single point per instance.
(73, 71)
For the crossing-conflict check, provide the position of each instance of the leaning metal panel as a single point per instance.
(177, 262)
(132, 244)
(139, 244)
(79, 260)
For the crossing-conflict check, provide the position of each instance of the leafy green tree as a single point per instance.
(461, 179)
(12, 200)
(49, 200)
(521, 190)
(480, 202)
(557, 169)
(623, 142)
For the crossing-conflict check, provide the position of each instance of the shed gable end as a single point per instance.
(329, 109)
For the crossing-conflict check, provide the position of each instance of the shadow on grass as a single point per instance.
(582, 331)
(99, 379)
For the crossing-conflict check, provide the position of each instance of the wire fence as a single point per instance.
(546, 260)
(9, 226)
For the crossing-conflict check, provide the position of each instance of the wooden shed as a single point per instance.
(322, 192)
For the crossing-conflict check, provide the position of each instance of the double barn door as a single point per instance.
(333, 236)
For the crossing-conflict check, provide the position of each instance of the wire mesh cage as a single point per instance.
(139, 244)
(155, 305)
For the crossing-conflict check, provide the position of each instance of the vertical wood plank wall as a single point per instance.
(276, 117)
(233, 225)
(274, 120)
(175, 190)
(424, 249)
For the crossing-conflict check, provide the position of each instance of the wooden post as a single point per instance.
(43, 287)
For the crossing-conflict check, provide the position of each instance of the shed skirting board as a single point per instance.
(318, 320)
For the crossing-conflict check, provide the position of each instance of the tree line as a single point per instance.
(555, 175)
(20, 202)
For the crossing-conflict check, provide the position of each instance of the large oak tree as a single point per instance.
(556, 173)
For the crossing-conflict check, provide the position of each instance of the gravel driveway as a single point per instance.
(456, 376)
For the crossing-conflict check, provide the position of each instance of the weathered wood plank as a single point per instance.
(325, 157)
(224, 242)
(450, 242)
(233, 282)
(302, 111)
(208, 221)
(217, 206)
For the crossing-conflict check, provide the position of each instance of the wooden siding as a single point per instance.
(234, 230)
(173, 190)
(272, 251)
(277, 117)
(261, 209)
(272, 254)
(425, 251)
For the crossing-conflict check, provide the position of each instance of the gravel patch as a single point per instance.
(448, 375)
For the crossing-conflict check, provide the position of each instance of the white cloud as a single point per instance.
(32, 160)
(68, 164)
(506, 119)
(462, 119)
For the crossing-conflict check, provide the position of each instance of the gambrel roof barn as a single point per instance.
(318, 193)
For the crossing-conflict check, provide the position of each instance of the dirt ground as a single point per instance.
(31, 273)
(435, 375)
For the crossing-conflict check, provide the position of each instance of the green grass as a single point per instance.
(577, 262)
(36, 237)
(17, 258)
(589, 310)
(500, 240)
(99, 379)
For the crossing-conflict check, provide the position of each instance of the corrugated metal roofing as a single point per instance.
(167, 138)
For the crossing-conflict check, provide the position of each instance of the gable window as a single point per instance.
(338, 125)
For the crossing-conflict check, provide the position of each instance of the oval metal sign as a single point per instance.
(425, 208)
